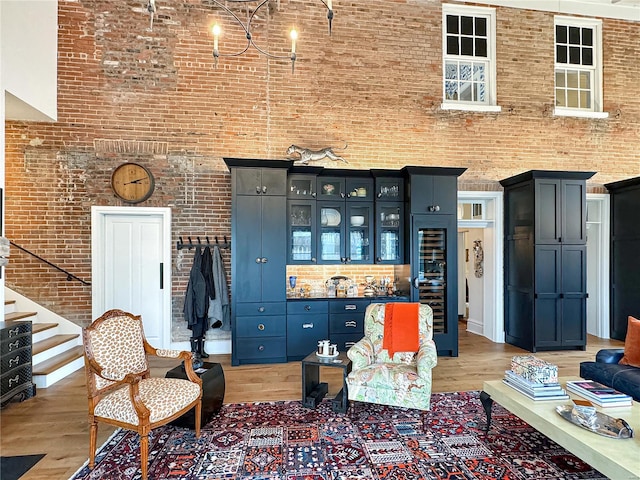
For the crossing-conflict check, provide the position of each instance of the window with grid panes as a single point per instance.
(577, 69)
(469, 70)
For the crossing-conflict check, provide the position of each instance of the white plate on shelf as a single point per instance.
(327, 356)
(332, 217)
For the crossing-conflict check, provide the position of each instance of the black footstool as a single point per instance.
(212, 393)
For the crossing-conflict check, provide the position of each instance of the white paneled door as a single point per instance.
(131, 266)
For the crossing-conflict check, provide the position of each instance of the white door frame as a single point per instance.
(98, 216)
(603, 264)
(493, 301)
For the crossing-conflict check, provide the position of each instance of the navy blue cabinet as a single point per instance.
(258, 261)
(625, 260)
(307, 323)
(432, 249)
(433, 190)
(545, 260)
(560, 211)
(346, 321)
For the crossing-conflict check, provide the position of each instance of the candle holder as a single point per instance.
(246, 26)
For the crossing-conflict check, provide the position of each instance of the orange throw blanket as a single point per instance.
(401, 328)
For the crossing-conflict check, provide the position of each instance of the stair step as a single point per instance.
(51, 365)
(41, 327)
(13, 316)
(52, 342)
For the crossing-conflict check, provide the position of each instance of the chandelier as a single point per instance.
(246, 26)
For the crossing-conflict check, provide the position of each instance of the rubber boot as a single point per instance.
(201, 351)
(196, 361)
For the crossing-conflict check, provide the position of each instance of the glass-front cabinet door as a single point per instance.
(432, 272)
(301, 241)
(360, 230)
(390, 189)
(389, 237)
(331, 188)
(301, 186)
(359, 189)
(331, 232)
(434, 269)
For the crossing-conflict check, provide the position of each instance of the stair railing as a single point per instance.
(70, 276)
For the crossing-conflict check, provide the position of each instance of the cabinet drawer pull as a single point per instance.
(13, 380)
(257, 188)
(261, 309)
(351, 307)
(351, 324)
(307, 325)
(307, 307)
(14, 361)
(13, 345)
(263, 260)
(264, 189)
(14, 331)
(261, 348)
(261, 326)
(258, 260)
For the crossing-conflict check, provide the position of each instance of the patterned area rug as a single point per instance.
(285, 441)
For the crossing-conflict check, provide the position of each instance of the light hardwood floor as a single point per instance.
(55, 421)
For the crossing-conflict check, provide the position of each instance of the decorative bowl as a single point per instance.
(357, 220)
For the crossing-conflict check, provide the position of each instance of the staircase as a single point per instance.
(57, 343)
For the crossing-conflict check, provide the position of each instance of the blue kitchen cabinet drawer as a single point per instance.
(307, 307)
(261, 308)
(303, 334)
(347, 323)
(268, 326)
(262, 350)
(349, 305)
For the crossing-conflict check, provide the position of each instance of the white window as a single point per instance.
(468, 47)
(578, 68)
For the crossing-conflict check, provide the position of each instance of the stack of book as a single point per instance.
(538, 391)
(599, 394)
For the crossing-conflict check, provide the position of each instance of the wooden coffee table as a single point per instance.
(619, 459)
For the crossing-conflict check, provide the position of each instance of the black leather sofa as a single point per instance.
(609, 372)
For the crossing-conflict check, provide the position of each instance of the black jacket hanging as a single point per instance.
(207, 273)
(196, 303)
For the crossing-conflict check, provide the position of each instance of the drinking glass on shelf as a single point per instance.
(292, 284)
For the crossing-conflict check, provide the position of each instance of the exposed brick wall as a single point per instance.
(129, 94)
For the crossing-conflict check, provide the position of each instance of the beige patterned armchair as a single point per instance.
(121, 390)
(403, 380)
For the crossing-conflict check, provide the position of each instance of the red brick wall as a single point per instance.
(129, 94)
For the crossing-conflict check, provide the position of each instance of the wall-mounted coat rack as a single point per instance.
(182, 244)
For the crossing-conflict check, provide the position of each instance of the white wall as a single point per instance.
(28, 71)
(29, 58)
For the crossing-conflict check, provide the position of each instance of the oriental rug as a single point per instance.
(286, 441)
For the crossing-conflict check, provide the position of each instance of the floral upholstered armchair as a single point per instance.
(120, 388)
(403, 380)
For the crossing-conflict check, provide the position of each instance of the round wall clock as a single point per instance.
(132, 182)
